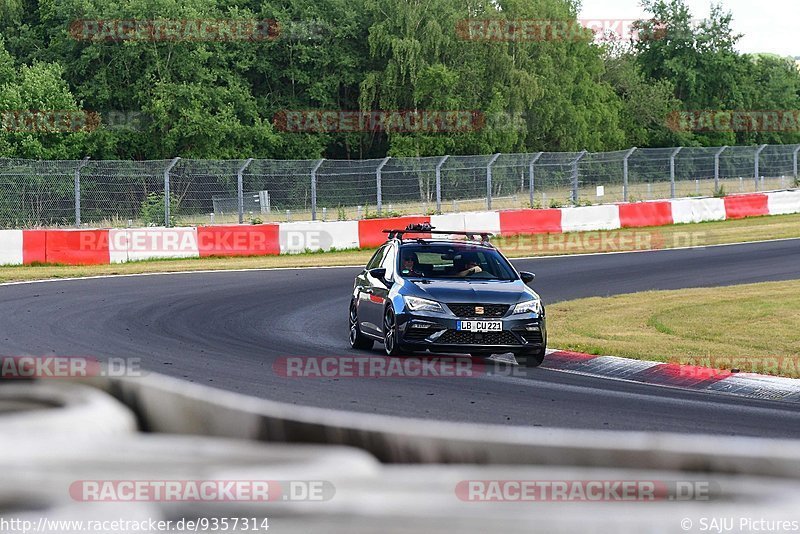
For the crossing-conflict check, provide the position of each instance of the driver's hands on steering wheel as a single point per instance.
(472, 270)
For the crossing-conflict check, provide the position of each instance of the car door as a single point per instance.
(365, 291)
(380, 288)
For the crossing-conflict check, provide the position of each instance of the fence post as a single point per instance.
(489, 181)
(439, 184)
(77, 188)
(166, 190)
(672, 171)
(625, 174)
(716, 168)
(378, 183)
(794, 158)
(314, 188)
(531, 180)
(575, 177)
(757, 163)
(240, 189)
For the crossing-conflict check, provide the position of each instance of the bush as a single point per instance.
(152, 211)
(384, 215)
(720, 192)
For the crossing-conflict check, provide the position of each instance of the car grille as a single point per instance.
(461, 337)
(489, 310)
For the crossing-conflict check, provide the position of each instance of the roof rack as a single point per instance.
(426, 228)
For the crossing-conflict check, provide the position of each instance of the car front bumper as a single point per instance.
(437, 332)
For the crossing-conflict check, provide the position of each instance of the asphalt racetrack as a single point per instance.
(227, 329)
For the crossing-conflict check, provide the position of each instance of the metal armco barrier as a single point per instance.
(202, 434)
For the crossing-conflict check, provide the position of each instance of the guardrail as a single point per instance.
(196, 433)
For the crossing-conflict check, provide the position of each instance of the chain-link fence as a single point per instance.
(142, 193)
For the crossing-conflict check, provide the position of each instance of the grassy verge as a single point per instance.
(658, 237)
(702, 234)
(750, 327)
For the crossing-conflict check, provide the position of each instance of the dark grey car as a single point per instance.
(446, 296)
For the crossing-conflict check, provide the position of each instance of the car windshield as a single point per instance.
(453, 261)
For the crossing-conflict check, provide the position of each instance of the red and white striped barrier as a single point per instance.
(783, 202)
(11, 247)
(590, 218)
(81, 247)
(741, 206)
(316, 235)
(644, 214)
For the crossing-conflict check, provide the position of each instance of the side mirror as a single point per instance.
(380, 274)
(527, 277)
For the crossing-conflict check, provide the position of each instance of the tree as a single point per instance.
(772, 84)
(218, 99)
(31, 92)
(708, 73)
(423, 64)
(7, 70)
(647, 103)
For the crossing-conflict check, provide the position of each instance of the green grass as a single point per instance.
(753, 327)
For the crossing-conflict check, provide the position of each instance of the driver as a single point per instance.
(410, 264)
(470, 263)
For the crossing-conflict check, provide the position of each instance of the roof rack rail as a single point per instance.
(426, 228)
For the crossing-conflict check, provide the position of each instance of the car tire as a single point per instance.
(532, 358)
(390, 342)
(357, 339)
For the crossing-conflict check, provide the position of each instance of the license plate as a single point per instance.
(481, 326)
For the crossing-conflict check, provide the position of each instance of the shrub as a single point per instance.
(383, 215)
(152, 211)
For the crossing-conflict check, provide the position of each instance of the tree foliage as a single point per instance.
(707, 73)
(205, 99)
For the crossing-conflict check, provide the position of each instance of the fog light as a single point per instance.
(420, 325)
(532, 328)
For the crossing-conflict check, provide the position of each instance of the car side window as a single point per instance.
(375, 262)
(388, 262)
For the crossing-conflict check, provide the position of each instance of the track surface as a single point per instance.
(226, 329)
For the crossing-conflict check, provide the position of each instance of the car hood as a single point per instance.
(473, 291)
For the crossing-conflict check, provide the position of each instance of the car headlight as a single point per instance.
(418, 304)
(529, 306)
